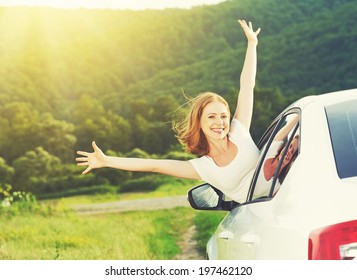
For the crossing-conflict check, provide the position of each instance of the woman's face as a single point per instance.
(293, 147)
(215, 121)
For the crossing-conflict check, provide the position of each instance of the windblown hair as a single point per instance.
(188, 129)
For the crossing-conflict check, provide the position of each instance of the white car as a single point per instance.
(302, 201)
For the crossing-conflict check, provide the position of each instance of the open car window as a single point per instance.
(278, 154)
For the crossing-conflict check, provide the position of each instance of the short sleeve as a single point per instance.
(238, 129)
(200, 165)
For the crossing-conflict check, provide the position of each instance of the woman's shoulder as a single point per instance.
(238, 128)
(200, 160)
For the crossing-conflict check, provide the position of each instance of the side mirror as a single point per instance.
(206, 197)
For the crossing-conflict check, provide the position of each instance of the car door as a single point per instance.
(248, 225)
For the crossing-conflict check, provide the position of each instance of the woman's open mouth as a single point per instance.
(218, 130)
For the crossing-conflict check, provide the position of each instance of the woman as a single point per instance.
(227, 149)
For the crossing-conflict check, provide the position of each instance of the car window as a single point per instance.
(277, 156)
(342, 120)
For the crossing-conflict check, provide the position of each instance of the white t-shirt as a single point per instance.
(233, 179)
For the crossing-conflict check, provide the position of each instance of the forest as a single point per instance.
(118, 77)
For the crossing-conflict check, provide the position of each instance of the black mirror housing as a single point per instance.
(207, 197)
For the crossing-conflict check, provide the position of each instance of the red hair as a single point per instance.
(188, 130)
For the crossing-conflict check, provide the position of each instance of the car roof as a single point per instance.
(323, 99)
(327, 98)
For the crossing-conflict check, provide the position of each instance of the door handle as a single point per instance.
(226, 235)
(250, 238)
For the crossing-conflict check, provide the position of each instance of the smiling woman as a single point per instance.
(111, 4)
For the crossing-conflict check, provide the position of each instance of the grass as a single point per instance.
(53, 232)
(126, 236)
(206, 223)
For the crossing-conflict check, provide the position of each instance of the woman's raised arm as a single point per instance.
(244, 110)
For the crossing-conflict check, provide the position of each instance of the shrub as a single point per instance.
(179, 155)
(67, 183)
(145, 183)
(16, 202)
(81, 191)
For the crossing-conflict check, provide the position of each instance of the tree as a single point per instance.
(35, 166)
(18, 128)
(6, 172)
(108, 129)
(56, 137)
(268, 104)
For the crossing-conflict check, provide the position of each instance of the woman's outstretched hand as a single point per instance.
(93, 160)
(251, 35)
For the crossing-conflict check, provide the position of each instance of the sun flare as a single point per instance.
(110, 4)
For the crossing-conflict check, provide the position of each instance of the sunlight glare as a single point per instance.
(111, 4)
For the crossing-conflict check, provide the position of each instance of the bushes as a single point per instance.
(20, 203)
(81, 191)
(146, 183)
(67, 184)
(16, 202)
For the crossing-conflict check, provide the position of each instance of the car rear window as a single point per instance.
(342, 120)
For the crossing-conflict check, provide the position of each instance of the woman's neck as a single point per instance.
(218, 147)
(223, 152)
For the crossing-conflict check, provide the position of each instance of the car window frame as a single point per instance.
(264, 144)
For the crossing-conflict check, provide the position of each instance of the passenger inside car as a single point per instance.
(280, 154)
(272, 162)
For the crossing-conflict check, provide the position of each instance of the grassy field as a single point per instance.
(135, 235)
(56, 233)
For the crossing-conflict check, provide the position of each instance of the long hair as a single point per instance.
(188, 129)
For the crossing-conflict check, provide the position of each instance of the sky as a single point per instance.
(111, 4)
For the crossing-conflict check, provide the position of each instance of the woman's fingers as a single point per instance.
(242, 22)
(83, 161)
(95, 147)
(86, 154)
(249, 26)
(83, 153)
(86, 157)
(87, 170)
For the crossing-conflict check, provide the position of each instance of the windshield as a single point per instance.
(342, 120)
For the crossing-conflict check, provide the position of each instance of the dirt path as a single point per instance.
(132, 205)
(188, 244)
